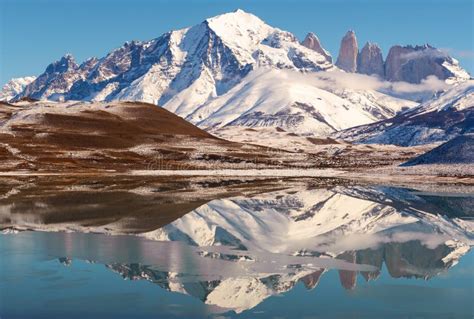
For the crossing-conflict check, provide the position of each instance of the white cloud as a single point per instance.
(342, 80)
(428, 52)
(429, 84)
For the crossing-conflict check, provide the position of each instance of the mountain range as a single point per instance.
(448, 115)
(236, 70)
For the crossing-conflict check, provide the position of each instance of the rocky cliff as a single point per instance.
(415, 63)
(408, 63)
(370, 60)
(312, 42)
(347, 58)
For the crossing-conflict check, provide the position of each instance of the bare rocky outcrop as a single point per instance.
(370, 60)
(415, 63)
(347, 58)
(312, 42)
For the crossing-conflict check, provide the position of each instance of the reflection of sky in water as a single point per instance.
(33, 283)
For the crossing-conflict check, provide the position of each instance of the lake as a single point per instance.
(121, 247)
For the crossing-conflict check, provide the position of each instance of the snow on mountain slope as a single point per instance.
(458, 98)
(207, 60)
(58, 78)
(458, 73)
(181, 69)
(246, 294)
(213, 74)
(437, 120)
(232, 69)
(241, 32)
(298, 103)
(14, 87)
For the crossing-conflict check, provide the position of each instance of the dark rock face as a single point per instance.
(370, 60)
(459, 150)
(312, 42)
(89, 64)
(347, 58)
(63, 65)
(413, 64)
(57, 78)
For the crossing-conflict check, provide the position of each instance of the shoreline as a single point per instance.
(392, 175)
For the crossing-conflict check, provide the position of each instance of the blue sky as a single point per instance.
(33, 33)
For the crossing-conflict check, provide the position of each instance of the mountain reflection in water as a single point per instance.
(232, 246)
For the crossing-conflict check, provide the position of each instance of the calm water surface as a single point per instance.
(282, 250)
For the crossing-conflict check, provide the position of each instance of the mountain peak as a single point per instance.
(370, 60)
(347, 58)
(312, 42)
(64, 64)
(239, 29)
(181, 69)
(238, 15)
(371, 45)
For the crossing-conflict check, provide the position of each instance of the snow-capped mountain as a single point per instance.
(195, 72)
(232, 70)
(437, 120)
(15, 87)
(181, 68)
(306, 104)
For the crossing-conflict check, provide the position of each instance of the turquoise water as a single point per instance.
(34, 283)
(304, 252)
